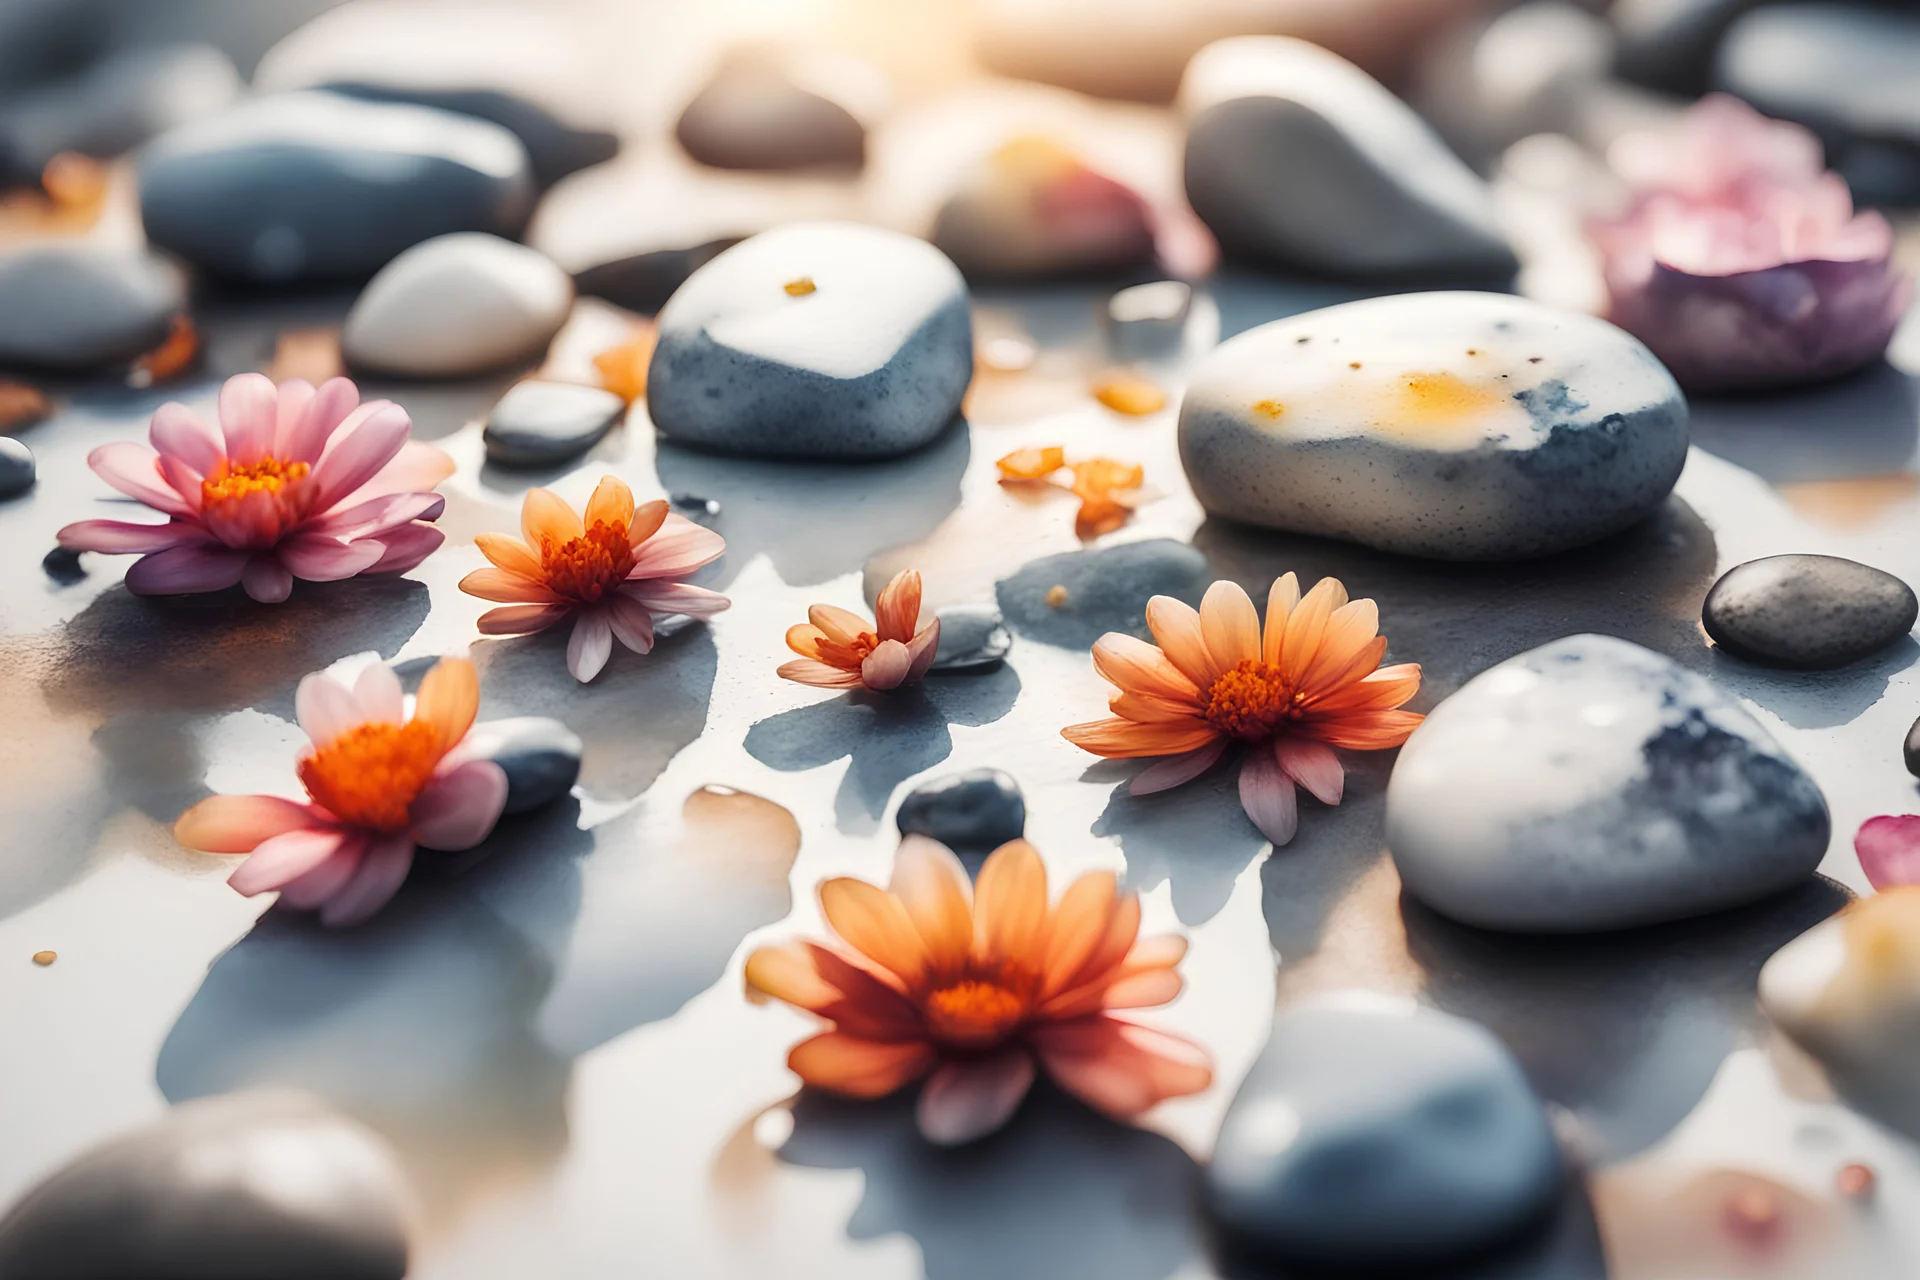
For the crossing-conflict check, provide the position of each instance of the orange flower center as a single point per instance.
(370, 776)
(974, 1013)
(587, 567)
(1251, 701)
(231, 482)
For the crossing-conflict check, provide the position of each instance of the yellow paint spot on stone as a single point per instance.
(1269, 408)
(1124, 391)
(45, 958)
(1443, 398)
(1057, 596)
(799, 288)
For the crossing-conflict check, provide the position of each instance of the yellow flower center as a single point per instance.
(370, 776)
(974, 1013)
(230, 482)
(587, 567)
(1251, 701)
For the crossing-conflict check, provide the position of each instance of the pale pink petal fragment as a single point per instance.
(179, 431)
(237, 824)
(590, 645)
(121, 537)
(1889, 849)
(1174, 771)
(523, 619)
(378, 694)
(134, 470)
(459, 808)
(1266, 794)
(406, 548)
(185, 571)
(818, 674)
(319, 559)
(325, 880)
(922, 650)
(632, 624)
(675, 597)
(285, 857)
(381, 872)
(887, 666)
(1313, 765)
(377, 515)
(265, 579)
(305, 438)
(325, 708)
(967, 1100)
(249, 409)
(680, 547)
(369, 439)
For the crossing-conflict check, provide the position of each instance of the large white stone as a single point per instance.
(1592, 784)
(1463, 426)
(457, 305)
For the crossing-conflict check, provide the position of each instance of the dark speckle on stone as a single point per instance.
(1109, 588)
(972, 638)
(1810, 612)
(972, 812)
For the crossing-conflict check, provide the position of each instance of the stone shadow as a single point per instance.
(1867, 424)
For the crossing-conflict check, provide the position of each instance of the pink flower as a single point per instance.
(1889, 850)
(1741, 261)
(295, 483)
(379, 783)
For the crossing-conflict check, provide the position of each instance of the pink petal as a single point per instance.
(523, 619)
(320, 559)
(887, 666)
(266, 579)
(121, 537)
(1120, 1067)
(675, 597)
(923, 649)
(369, 439)
(324, 708)
(406, 548)
(249, 407)
(325, 880)
(184, 570)
(381, 872)
(1313, 765)
(377, 515)
(295, 397)
(631, 622)
(676, 550)
(416, 468)
(589, 646)
(1267, 795)
(1889, 849)
(967, 1100)
(285, 857)
(238, 824)
(1173, 771)
(179, 431)
(378, 695)
(460, 807)
(182, 479)
(304, 439)
(134, 470)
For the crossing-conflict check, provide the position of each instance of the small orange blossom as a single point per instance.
(838, 650)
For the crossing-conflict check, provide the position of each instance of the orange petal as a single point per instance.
(1120, 1067)
(506, 587)
(449, 698)
(923, 649)
(522, 619)
(1134, 666)
(788, 973)
(1142, 709)
(818, 674)
(611, 503)
(1143, 990)
(1368, 730)
(1351, 629)
(1081, 992)
(875, 923)
(938, 897)
(897, 611)
(1307, 625)
(1382, 690)
(1229, 625)
(837, 624)
(545, 519)
(1282, 599)
(1100, 477)
(1032, 464)
(235, 824)
(804, 639)
(1010, 905)
(1119, 739)
(646, 521)
(1100, 515)
(1176, 629)
(510, 554)
(1077, 926)
(858, 1068)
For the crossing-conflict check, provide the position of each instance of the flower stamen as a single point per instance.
(585, 568)
(231, 481)
(974, 1013)
(371, 775)
(1251, 701)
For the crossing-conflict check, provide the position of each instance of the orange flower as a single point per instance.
(838, 650)
(612, 571)
(1108, 490)
(1312, 684)
(971, 984)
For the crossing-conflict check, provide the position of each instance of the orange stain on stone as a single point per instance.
(1442, 399)
(1270, 408)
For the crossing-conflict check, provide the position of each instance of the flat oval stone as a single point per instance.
(555, 148)
(972, 812)
(234, 1187)
(541, 757)
(972, 638)
(16, 470)
(316, 186)
(1148, 321)
(457, 305)
(74, 308)
(815, 340)
(1387, 198)
(1461, 426)
(113, 106)
(752, 115)
(1592, 784)
(1811, 612)
(1373, 1132)
(1910, 750)
(540, 423)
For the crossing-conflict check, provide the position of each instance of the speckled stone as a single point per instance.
(972, 638)
(234, 1187)
(972, 812)
(1387, 198)
(16, 467)
(1592, 784)
(1373, 1132)
(316, 186)
(541, 757)
(1101, 590)
(538, 423)
(1811, 612)
(457, 305)
(74, 308)
(555, 148)
(752, 115)
(815, 340)
(1461, 426)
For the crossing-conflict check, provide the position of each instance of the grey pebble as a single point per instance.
(972, 812)
(76, 308)
(540, 423)
(541, 757)
(972, 638)
(1811, 612)
(16, 467)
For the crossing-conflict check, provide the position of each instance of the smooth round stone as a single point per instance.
(113, 106)
(814, 340)
(16, 467)
(234, 1187)
(1910, 750)
(643, 282)
(1461, 426)
(541, 757)
(1375, 1132)
(74, 308)
(972, 638)
(555, 148)
(316, 186)
(537, 424)
(1149, 320)
(1811, 612)
(1592, 784)
(457, 305)
(972, 812)
(1669, 44)
(752, 115)
(1387, 198)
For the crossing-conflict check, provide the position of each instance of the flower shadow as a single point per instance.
(888, 737)
(1061, 1193)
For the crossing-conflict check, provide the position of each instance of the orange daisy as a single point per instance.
(1312, 683)
(977, 987)
(839, 650)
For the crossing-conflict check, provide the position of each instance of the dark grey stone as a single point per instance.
(316, 186)
(1669, 44)
(1148, 321)
(16, 467)
(541, 757)
(972, 812)
(696, 507)
(1107, 590)
(236, 1187)
(752, 116)
(75, 308)
(555, 147)
(1910, 751)
(971, 637)
(540, 423)
(113, 106)
(644, 281)
(63, 566)
(1811, 612)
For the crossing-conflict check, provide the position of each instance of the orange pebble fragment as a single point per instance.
(800, 288)
(171, 358)
(623, 369)
(1856, 1181)
(45, 958)
(1124, 391)
(1056, 596)
(21, 405)
(1032, 464)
